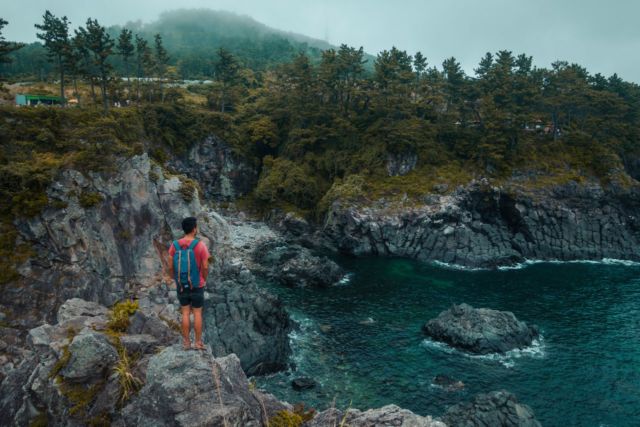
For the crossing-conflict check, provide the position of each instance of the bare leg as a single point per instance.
(197, 325)
(186, 310)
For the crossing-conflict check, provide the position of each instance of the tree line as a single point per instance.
(316, 124)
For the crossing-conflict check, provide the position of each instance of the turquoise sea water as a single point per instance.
(362, 341)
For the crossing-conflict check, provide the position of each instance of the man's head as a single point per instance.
(190, 225)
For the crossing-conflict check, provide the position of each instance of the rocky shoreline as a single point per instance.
(483, 226)
(109, 250)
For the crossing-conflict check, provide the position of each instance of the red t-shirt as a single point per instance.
(201, 252)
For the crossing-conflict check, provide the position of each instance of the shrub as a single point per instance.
(188, 189)
(285, 418)
(89, 199)
(129, 383)
(119, 316)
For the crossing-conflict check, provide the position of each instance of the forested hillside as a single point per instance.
(328, 128)
(192, 38)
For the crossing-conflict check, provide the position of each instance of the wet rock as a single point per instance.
(498, 408)
(480, 330)
(303, 383)
(242, 319)
(294, 265)
(390, 415)
(448, 383)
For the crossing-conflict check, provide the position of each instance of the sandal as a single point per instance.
(186, 344)
(199, 346)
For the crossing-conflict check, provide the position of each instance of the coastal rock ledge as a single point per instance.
(480, 330)
(498, 408)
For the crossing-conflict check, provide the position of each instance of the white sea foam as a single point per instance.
(346, 279)
(536, 350)
(529, 262)
(458, 266)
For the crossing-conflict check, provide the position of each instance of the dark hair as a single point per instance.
(188, 224)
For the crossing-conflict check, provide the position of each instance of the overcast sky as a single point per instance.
(602, 35)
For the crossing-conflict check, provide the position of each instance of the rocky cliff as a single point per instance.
(480, 225)
(103, 239)
(222, 173)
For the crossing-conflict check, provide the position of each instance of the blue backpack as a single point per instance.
(185, 268)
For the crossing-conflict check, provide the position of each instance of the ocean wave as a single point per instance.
(346, 279)
(529, 262)
(536, 350)
(458, 266)
(603, 261)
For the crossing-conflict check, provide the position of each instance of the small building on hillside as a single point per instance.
(25, 99)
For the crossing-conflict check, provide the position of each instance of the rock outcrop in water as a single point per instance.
(480, 330)
(483, 226)
(294, 265)
(498, 408)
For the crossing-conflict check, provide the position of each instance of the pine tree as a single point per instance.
(419, 65)
(6, 47)
(143, 61)
(126, 50)
(161, 60)
(100, 44)
(55, 35)
(227, 74)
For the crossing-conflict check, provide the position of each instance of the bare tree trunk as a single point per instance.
(75, 88)
(93, 90)
(61, 79)
(105, 101)
(126, 69)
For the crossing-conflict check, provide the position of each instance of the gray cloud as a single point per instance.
(602, 36)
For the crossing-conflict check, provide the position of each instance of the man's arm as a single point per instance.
(170, 265)
(205, 262)
(205, 268)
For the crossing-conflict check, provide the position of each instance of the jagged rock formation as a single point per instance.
(69, 378)
(192, 388)
(390, 415)
(241, 319)
(294, 265)
(114, 247)
(401, 163)
(498, 408)
(483, 226)
(223, 174)
(480, 330)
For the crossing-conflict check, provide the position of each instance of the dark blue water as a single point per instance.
(362, 340)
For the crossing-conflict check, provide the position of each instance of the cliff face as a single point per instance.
(222, 174)
(106, 240)
(483, 226)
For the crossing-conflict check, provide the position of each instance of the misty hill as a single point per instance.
(192, 37)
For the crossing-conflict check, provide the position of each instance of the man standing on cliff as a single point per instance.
(189, 266)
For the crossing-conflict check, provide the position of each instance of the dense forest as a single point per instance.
(339, 125)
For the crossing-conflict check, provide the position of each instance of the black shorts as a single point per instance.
(194, 298)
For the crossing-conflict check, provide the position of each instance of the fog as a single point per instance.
(602, 36)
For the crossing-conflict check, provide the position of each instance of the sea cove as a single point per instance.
(361, 339)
